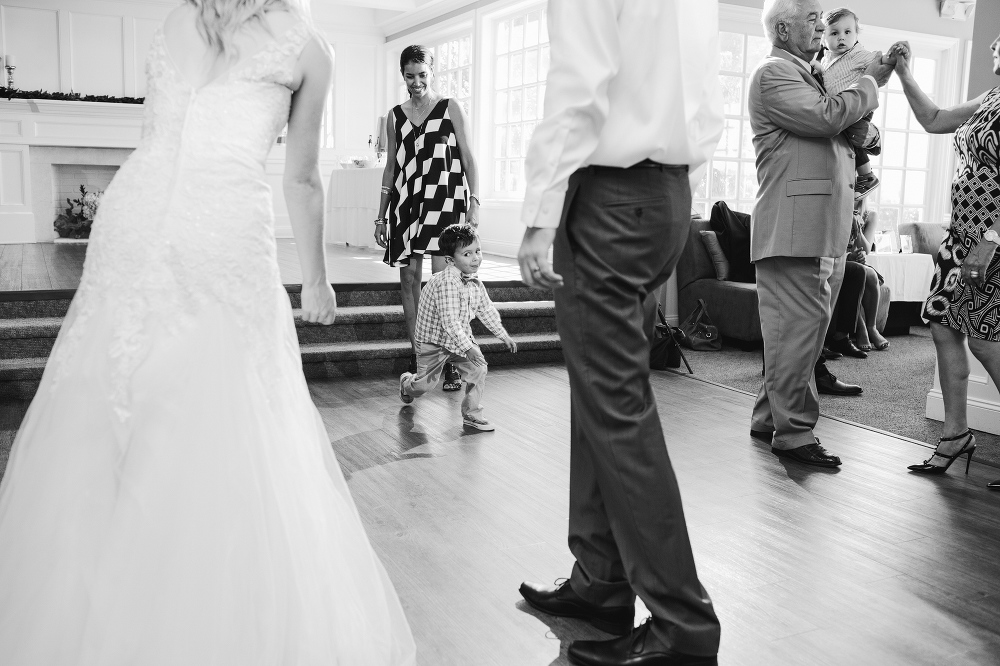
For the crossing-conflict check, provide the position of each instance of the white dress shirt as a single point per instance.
(629, 80)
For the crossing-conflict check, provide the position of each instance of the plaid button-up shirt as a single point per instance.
(448, 304)
(840, 73)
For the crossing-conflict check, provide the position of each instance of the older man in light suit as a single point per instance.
(801, 220)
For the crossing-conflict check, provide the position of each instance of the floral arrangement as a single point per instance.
(77, 224)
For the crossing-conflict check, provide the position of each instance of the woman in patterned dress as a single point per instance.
(430, 182)
(964, 303)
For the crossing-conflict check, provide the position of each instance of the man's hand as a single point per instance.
(880, 69)
(475, 356)
(511, 345)
(534, 259)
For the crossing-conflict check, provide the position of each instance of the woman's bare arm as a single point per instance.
(303, 186)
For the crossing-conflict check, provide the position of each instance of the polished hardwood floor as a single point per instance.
(865, 565)
(43, 266)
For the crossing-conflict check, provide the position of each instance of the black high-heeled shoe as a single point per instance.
(966, 450)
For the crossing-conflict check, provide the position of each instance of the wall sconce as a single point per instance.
(957, 10)
(8, 64)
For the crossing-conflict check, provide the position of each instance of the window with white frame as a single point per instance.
(453, 60)
(520, 62)
(904, 166)
(732, 175)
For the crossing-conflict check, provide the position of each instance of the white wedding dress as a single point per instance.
(172, 498)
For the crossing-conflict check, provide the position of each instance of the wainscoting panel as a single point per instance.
(983, 403)
(98, 49)
(32, 37)
(143, 31)
(13, 180)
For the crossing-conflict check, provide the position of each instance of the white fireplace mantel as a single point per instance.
(43, 122)
(35, 135)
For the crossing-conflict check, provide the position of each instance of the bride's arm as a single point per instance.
(303, 186)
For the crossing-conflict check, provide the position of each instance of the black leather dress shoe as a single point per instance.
(994, 485)
(828, 384)
(846, 347)
(830, 355)
(636, 649)
(561, 600)
(763, 435)
(810, 454)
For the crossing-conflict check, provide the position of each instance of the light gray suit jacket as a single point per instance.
(805, 168)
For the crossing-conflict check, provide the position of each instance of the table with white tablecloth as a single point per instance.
(352, 205)
(908, 276)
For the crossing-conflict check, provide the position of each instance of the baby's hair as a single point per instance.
(455, 237)
(417, 54)
(835, 15)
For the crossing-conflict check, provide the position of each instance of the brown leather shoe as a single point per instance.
(636, 649)
(810, 454)
(561, 600)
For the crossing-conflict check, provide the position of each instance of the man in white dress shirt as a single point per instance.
(632, 110)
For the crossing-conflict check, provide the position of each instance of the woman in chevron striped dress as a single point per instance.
(430, 182)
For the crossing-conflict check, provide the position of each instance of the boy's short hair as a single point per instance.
(835, 15)
(455, 237)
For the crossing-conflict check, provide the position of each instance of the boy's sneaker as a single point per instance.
(478, 424)
(864, 185)
(402, 392)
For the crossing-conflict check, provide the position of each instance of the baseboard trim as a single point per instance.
(982, 415)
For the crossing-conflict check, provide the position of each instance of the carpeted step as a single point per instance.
(55, 303)
(392, 358)
(34, 337)
(386, 322)
(19, 377)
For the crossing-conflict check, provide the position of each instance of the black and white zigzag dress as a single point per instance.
(430, 191)
(975, 203)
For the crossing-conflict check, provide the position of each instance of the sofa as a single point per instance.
(731, 305)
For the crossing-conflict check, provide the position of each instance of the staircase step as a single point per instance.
(19, 377)
(34, 337)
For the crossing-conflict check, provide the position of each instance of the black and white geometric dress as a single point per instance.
(430, 191)
(975, 203)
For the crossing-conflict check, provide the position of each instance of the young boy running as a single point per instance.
(449, 302)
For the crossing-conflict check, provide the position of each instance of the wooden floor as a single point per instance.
(43, 266)
(867, 564)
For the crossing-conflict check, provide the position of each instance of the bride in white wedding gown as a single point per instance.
(172, 498)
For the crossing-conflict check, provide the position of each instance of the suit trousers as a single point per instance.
(620, 237)
(796, 297)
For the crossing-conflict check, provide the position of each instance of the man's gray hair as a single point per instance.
(775, 12)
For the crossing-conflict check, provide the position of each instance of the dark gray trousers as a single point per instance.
(621, 235)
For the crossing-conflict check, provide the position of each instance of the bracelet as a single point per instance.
(386, 190)
(380, 220)
(473, 197)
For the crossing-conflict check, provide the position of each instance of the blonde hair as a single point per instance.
(219, 20)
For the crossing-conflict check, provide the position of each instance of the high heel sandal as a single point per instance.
(967, 450)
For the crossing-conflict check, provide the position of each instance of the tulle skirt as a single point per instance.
(212, 526)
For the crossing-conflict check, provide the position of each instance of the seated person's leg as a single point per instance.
(845, 311)
(869, 305)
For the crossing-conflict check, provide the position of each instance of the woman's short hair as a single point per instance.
(775, 12)
(455, 237)
(418, 54)
(835, 15)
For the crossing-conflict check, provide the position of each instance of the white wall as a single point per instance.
(99, 47)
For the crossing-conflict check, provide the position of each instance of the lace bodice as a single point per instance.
(187, 222)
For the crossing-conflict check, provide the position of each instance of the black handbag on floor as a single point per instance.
(700, 334)
(665, 352)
